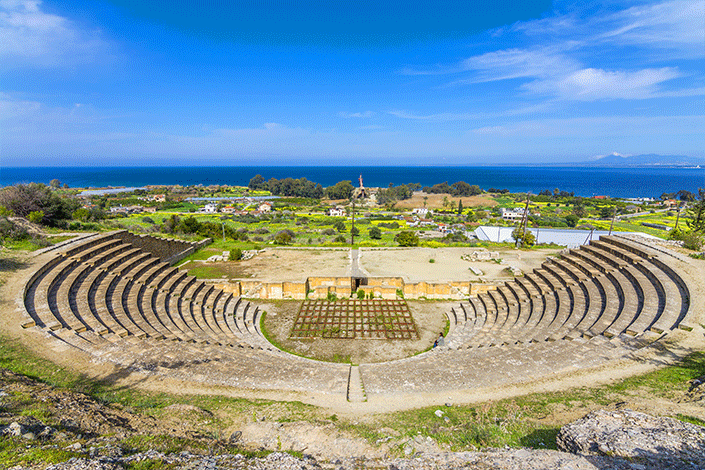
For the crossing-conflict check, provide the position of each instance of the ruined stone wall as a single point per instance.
(168, 250)
(382, 287)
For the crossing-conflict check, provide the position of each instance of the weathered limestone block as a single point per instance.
(653, 441)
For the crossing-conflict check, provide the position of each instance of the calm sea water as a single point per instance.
(617, 182)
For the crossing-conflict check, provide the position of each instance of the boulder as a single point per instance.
(654, 442)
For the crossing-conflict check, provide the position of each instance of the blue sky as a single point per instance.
(369, 82)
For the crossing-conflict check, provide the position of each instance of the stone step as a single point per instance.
(356, 389)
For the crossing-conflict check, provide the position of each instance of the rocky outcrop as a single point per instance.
(650, 441)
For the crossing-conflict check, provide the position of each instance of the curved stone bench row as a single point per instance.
(126, 306)
(104, 286)
(607, 288)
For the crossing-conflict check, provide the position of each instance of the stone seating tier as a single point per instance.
(108, 296)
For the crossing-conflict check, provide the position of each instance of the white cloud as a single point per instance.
(433, 117)
(29, 36)
(518, 63)
(676, 25)
(569, 57)
(366, 114)
(597, 84)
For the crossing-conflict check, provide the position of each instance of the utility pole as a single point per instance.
(352, 230)
(678, 213)
(614, 214)
(524, 221)
(223, 230)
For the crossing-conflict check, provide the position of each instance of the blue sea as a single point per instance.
(615, 182)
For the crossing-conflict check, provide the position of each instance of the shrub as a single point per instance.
(36, 217)
(407, 238)
(236, 254)
(526, 239)
(375, 233)
(693, 241)
(11, 231)
(283, 237)
(360, 294)
(328, 231)
(339, 239)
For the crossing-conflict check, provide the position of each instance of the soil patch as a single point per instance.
(435, 201)
(447, 264)
(277, 265)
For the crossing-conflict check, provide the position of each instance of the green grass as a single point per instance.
(15, 451)
(22, 245)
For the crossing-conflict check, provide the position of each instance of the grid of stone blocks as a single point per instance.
(350, 319)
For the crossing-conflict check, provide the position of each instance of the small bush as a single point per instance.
(236, 254)
(360, 294)
(35, 217)
(693, 241)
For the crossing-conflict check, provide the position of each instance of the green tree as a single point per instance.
(375, 233)
(606, 212)
(572, 220)
(579, 211)
(56, 184)
(460, 207)
(341, 190)
(407, 238)
(355, 231)
(697, 213)
(257, 182)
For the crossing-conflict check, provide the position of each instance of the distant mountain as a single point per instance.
(650, 160)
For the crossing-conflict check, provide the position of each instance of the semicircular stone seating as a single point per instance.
(117, 297)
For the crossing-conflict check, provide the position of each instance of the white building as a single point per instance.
(337, 211)
(422, 212)
(512, 214)
(210, 208)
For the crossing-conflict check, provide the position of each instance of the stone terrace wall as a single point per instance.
(168, 250)
(380, 287)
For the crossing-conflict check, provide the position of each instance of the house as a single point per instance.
(119, 210)
(420, 211)
(337, 211)
(512, 214)
(426, 222)
(670, 203)
(210, 208)
(443, 228)
(265, 207)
